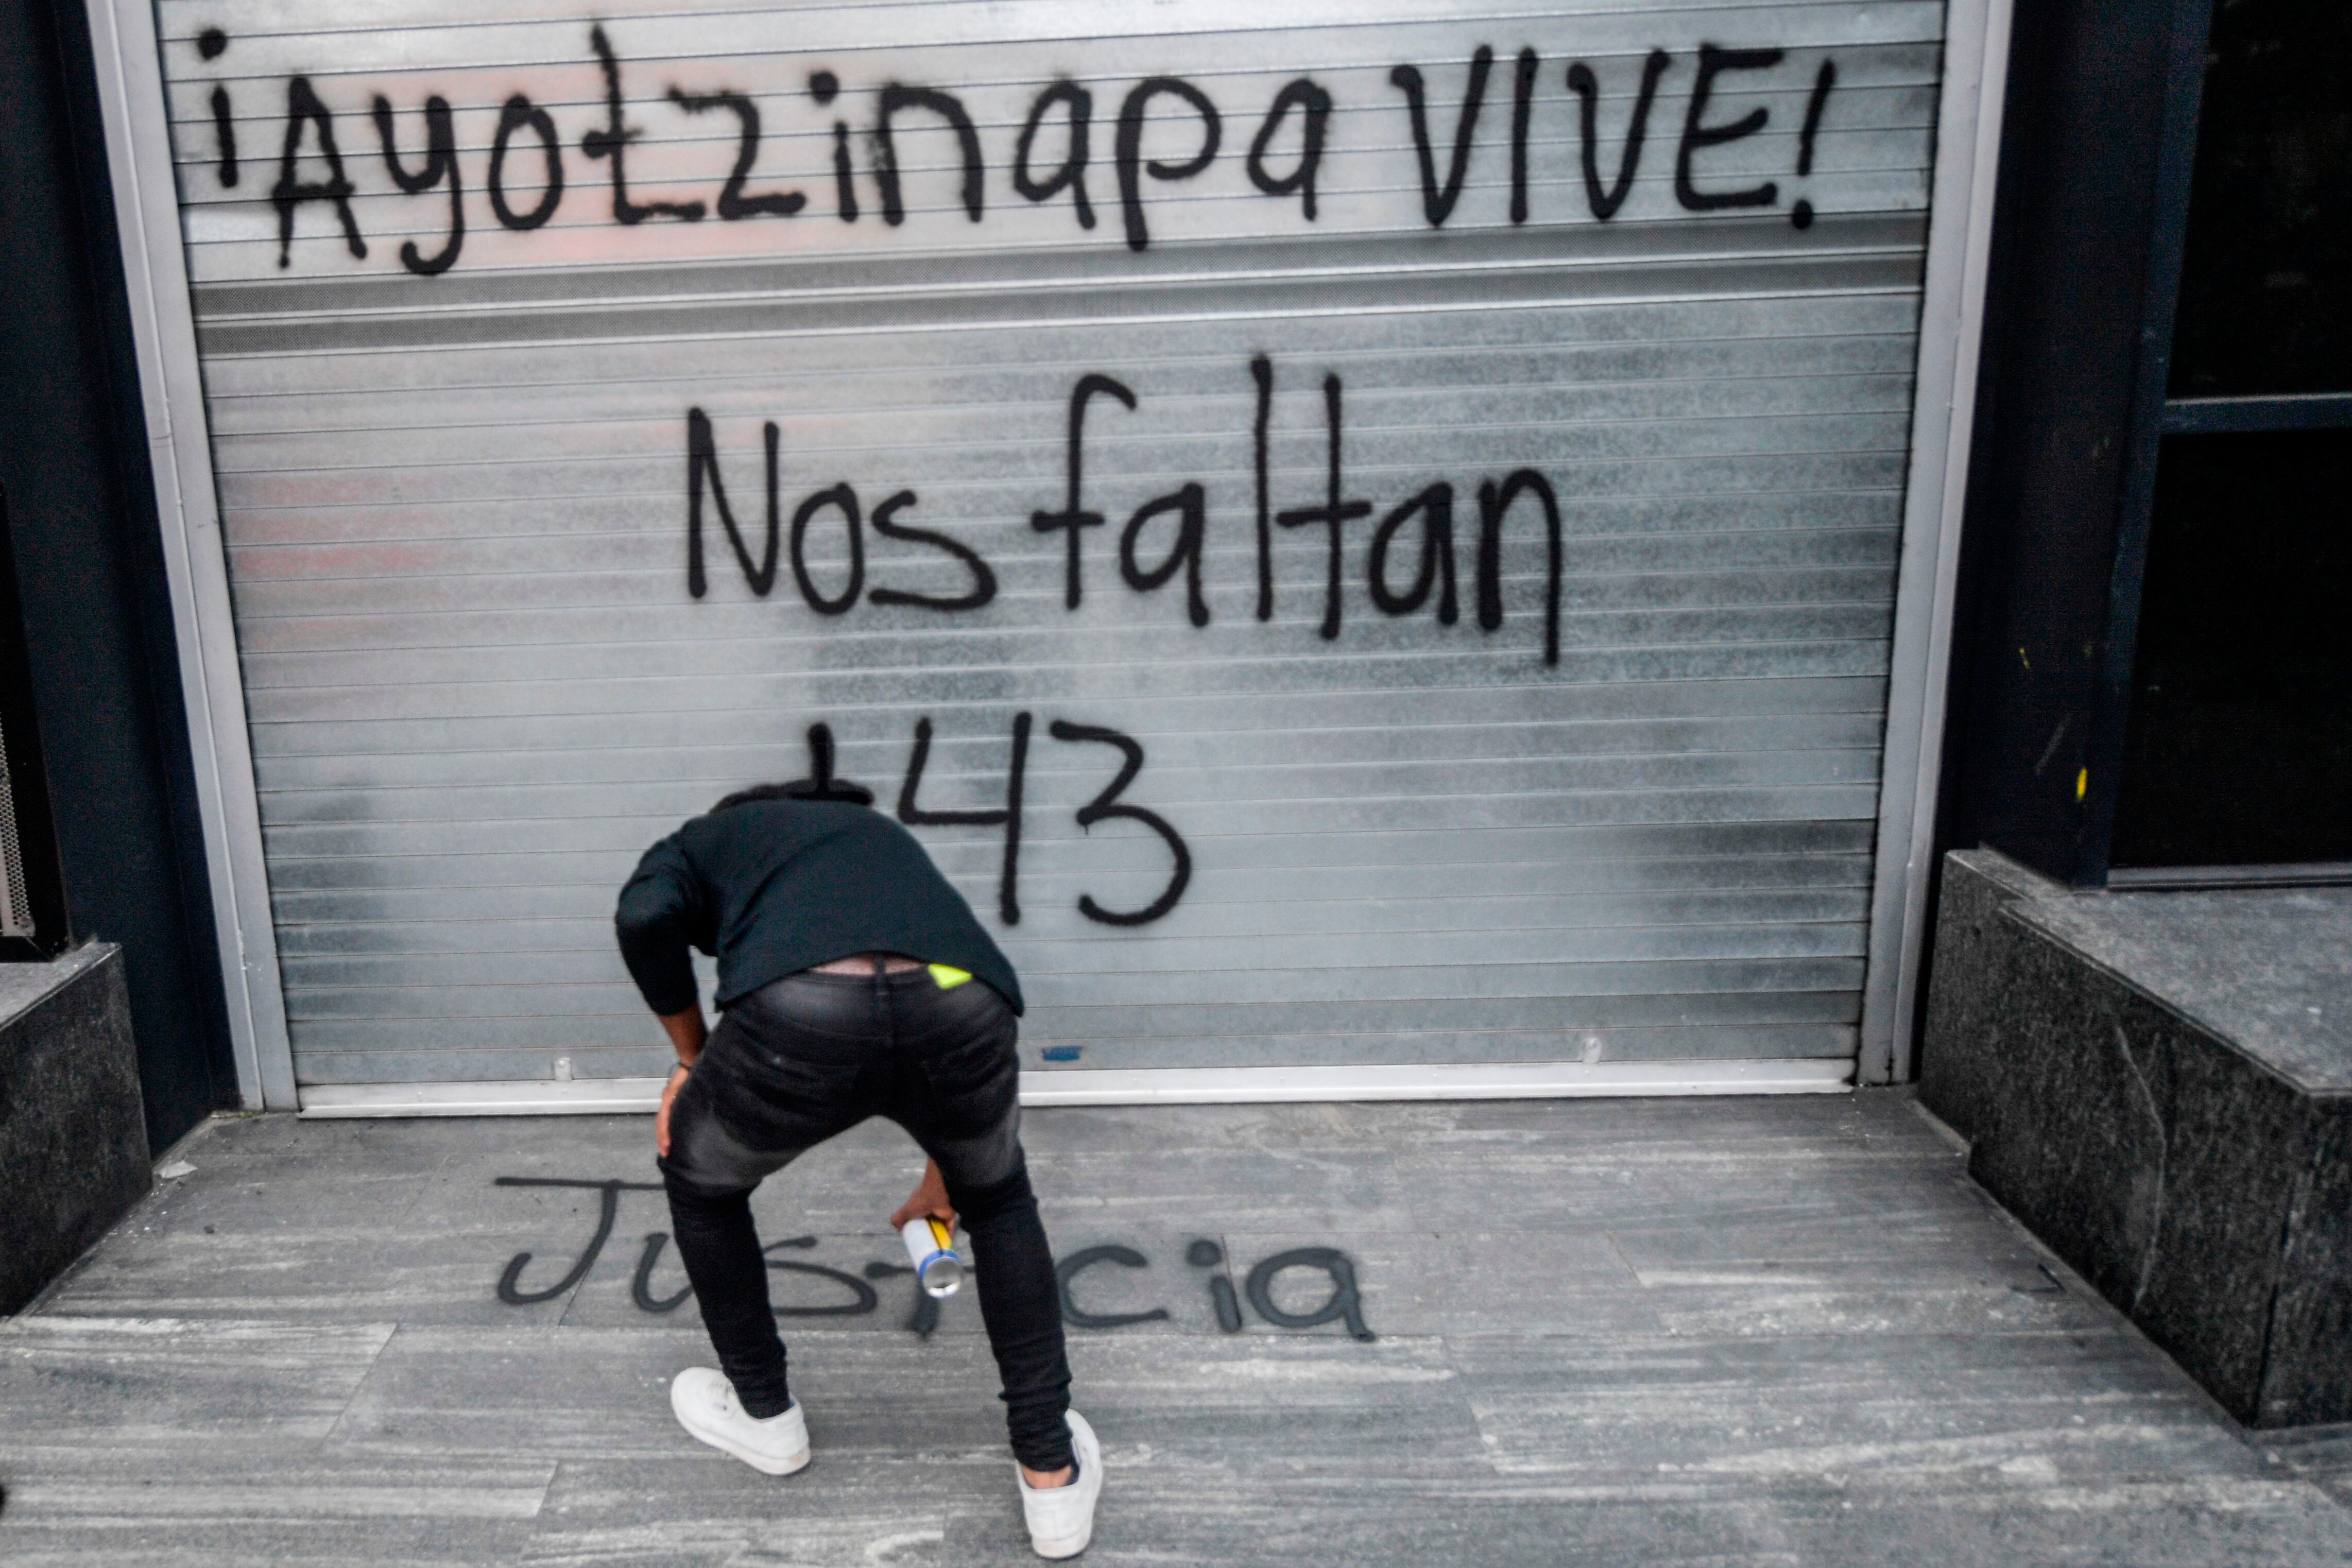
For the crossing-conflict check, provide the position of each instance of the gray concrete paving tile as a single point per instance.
(1661, 1133)
(1931, 1242)
(121, 1379)
(1727, 1121)
(249, 1182)
(707, 1511)
(1931, 1222)
(2320, 1454)
(1417, 1282)
(234, 1499)
(1868, 1297)
(1257, 1518)
(2058, 1408)
(1409, 1522)
(257, 1195)
(428, 1143)
(1293, 1403)
(423, 1547)
(508, 1190)
(1870, 1121)
(1625, 1187)
(1249, 1177)
(1784, 1526)
(594, 1393)
(233, 1150)
(334, 1275)
(603, 1393)
(2023, 1522)
(547, 1390)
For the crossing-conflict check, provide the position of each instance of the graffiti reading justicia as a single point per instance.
(855, 1295)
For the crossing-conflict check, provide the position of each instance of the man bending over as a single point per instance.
(855, 982)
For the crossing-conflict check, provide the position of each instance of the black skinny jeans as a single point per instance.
(814, 1055)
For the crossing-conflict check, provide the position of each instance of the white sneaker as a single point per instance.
(1062, 1518)
(706, 1406)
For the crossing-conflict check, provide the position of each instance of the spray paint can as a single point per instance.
(930, 1247)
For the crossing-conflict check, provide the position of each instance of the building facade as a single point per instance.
(1399, 549)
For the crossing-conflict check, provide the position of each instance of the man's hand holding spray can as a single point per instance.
(927, 1226)
(931, 1245)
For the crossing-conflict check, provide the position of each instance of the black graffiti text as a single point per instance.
(1166, 131)
(842, 1293)
(1163, 543)
(1108, 803)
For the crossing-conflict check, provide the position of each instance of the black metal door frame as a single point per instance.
(2155, 414)
(2105, 98)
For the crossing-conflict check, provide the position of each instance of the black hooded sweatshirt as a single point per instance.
(772, 887)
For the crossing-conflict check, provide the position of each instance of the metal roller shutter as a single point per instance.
(1445, 814)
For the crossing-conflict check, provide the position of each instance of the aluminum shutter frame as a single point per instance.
(478, 682)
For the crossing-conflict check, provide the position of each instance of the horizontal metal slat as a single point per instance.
(609, 1001)
(618, 1059)
(1059, 878)
(458, 985)
(955, 763)
(878, 733)
(975, 852)
(1666, 327)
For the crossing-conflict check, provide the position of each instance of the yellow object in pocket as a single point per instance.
(948, 977)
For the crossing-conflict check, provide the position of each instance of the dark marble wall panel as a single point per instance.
(2203, 1193)
(2308, 1377)
(73, 1134)
(2109, 1136)
(1968, 984)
